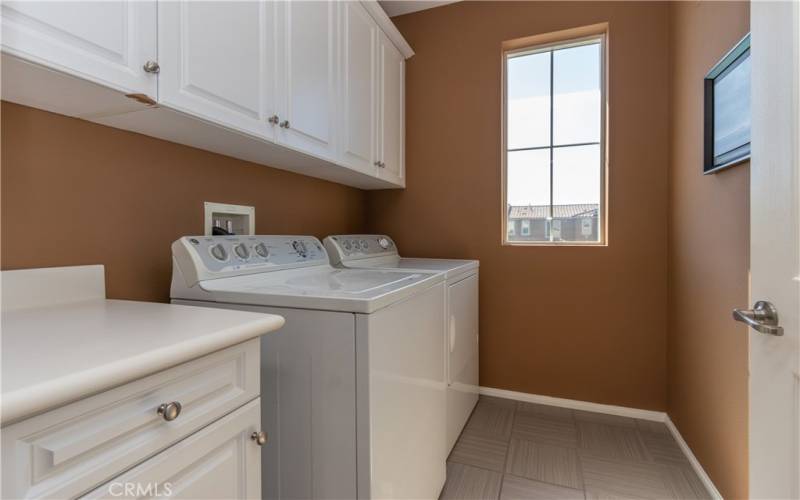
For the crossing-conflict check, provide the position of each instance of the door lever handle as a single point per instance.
(762, 318)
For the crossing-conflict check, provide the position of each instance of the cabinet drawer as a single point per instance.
(219, 461)
(73, 449)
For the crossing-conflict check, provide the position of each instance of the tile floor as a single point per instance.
(514, 450)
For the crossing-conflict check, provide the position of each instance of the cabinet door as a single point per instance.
(359, 88)
(391, 68)
(104, 42)
(219, 461)
(217, 61)
(308, 77)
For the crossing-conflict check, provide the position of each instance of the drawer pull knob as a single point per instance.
(151, 67)
(170, 411)
(259, 437)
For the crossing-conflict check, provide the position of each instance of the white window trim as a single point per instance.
(562, 42)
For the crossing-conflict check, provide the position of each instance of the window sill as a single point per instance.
(553, 244)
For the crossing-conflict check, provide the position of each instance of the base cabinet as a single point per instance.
(126, 442)
(218, 462)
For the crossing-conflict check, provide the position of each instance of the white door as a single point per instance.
(308, 77)
(359, 88)
(391, 68)
(217, 62)
(104, 42)
(462, 359)
(219, 461)
(774, 249)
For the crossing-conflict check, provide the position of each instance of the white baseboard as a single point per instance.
(656, 416)
(701, 473)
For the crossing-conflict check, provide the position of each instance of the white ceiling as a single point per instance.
(400, 7)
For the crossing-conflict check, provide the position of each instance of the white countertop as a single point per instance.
(55, 354)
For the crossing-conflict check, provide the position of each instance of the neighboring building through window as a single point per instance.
(554, 143)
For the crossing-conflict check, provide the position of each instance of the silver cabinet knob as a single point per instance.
(284, 124)
(260, 437)
(381, 164)
(377, 164)
(151, 67)
(169, 411)
(273, 119)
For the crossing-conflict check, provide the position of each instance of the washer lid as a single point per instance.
(450, 267)
(322, 287)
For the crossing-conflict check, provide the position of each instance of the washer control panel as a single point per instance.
(344, 247)
(207, 257)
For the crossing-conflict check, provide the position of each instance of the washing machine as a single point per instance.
(371, 251)
(353, 387)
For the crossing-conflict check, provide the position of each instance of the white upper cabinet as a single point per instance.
(391, 125)
(314, 87)
(308, 77)
(103, 42)
(359, 88)
(217, 61)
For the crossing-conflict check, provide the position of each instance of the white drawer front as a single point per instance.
(218, 462)
(68, 451)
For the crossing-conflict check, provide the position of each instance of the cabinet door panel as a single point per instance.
(309, 77)
(392, 122)
(219, 461)
(359, 86)
(104, 42)
(216, 61)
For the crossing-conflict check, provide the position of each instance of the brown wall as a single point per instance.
(581, 323)
(708, 258)
(78, 193)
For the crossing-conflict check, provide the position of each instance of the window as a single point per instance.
(554, 168)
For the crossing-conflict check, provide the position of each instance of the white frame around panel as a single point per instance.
(566, 42)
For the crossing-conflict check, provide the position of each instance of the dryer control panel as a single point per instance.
(208, 257)
(348, 247)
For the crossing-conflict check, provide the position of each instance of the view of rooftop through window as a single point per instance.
(554, 168)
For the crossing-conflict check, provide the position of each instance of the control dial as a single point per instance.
(300, 248)
(241, 251)
(262, 250)
(383, 242)
(218, 252)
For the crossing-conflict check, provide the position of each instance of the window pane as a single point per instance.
(528, 101)
(528, 195)
(576, 193)
(576, 94)
(732, 108)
